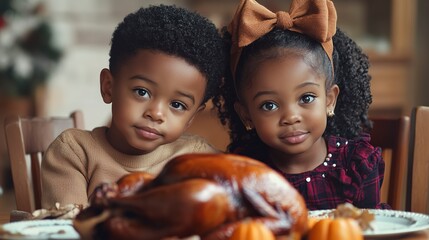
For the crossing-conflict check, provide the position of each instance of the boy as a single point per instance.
(165, 63)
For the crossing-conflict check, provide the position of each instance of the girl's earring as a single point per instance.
(248, 127)
(331, 113)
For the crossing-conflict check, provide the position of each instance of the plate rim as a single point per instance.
(14, 227)
(384, 212)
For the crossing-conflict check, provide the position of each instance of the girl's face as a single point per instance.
(154, 98)
(287, 104)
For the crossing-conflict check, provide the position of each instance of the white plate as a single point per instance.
(388, 222)
(39, 229)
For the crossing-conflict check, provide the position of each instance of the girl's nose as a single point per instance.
(290, 116)
(155, 112)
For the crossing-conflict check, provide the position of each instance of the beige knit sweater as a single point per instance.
(78, 161)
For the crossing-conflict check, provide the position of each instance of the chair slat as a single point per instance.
(392, 135)
(31, 137)
(35, 174)
(418, 182)
(21, 181)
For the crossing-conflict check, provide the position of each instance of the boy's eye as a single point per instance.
(179, 106)
(142, 92)
(307, 98)
(269, 106)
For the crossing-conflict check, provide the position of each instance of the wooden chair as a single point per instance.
(31, 137)
(418, 168)
(392, 134)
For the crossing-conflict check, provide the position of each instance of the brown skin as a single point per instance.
(154, 99)
(286, 102)
(202, 194)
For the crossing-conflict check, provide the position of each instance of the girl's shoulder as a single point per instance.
(356, 153)
(358, 145)
(338, 142)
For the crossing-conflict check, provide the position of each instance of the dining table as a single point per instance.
(419, 235)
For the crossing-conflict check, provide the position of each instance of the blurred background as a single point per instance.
(52, 51)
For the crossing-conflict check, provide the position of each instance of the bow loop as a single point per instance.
(314, 18)
(284, 21)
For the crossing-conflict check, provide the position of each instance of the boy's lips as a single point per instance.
(148, 133)
(294, 137)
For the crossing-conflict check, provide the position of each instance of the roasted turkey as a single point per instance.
(195, 194)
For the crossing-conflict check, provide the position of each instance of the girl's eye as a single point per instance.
(269, 106)
(307, 99)
(179, 106)
(141, 92)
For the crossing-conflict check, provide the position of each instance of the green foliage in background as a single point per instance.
(27, 51)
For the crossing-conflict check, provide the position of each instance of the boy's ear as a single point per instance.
(244, 115)
(200, 108)
(331, 97)
(106, 85)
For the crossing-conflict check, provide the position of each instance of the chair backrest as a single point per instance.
(392, 135)
(31, 137)
(418, 168)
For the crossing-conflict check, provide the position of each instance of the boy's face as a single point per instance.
(154, 99)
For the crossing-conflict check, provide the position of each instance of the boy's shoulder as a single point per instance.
(188, 139)
(195, 143)
(80, 135)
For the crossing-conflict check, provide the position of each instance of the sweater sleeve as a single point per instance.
(63, 173)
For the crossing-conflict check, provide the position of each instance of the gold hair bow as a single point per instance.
(314, 18)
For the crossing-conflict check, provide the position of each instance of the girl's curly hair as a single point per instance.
(350, 74)
(174, 31)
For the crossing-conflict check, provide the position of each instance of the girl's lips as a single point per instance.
(148, 133)
(295, 138)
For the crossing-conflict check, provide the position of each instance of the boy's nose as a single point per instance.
(155, 112)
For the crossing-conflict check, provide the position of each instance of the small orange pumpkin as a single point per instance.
(252, 230)
(312, 221)
(334, 229)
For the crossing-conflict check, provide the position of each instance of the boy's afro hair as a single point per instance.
(174, 31)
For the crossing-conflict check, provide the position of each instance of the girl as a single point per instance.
(289, 73)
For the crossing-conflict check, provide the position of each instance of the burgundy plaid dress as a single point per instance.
(352, 172)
